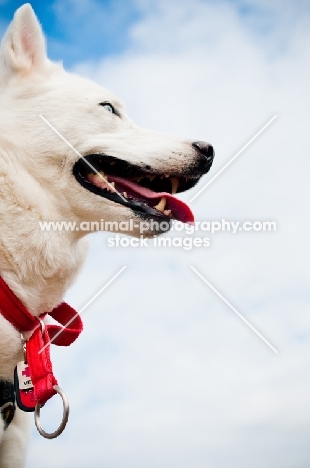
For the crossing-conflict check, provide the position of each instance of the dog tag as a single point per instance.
(23, 387)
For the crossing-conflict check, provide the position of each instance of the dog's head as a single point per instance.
(99, 165)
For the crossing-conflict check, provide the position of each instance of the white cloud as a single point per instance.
(165, 374)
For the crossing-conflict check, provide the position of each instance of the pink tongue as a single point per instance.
(179, 210)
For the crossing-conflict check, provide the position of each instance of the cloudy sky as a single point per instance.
(166, 374)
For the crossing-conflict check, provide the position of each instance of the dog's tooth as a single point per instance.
(161, 205)
(167, 175)
(102, 174)
(111, 187)
(138, 179)
(167, 212)
(125, 194)
(174, 185)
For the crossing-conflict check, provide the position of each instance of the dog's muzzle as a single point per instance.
(147, 191)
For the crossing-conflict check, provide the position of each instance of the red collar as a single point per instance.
(14, 311)
(39, 362)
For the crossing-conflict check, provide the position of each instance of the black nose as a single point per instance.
(204, 148)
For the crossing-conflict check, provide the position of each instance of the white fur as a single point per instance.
(36, 181)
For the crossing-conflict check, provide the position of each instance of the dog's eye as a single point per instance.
(108, 107)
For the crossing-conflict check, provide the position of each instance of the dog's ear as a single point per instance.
(23, 46)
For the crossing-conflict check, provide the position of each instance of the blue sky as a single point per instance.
(170, 376)
(74, 30)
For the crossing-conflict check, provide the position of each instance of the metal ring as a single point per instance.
(65, 416)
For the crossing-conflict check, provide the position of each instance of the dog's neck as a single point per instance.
(37, 265)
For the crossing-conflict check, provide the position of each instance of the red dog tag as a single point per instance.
(23, 387)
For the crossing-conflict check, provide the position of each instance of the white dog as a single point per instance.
(124, 173)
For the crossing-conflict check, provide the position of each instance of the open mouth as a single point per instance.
(148, 194)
